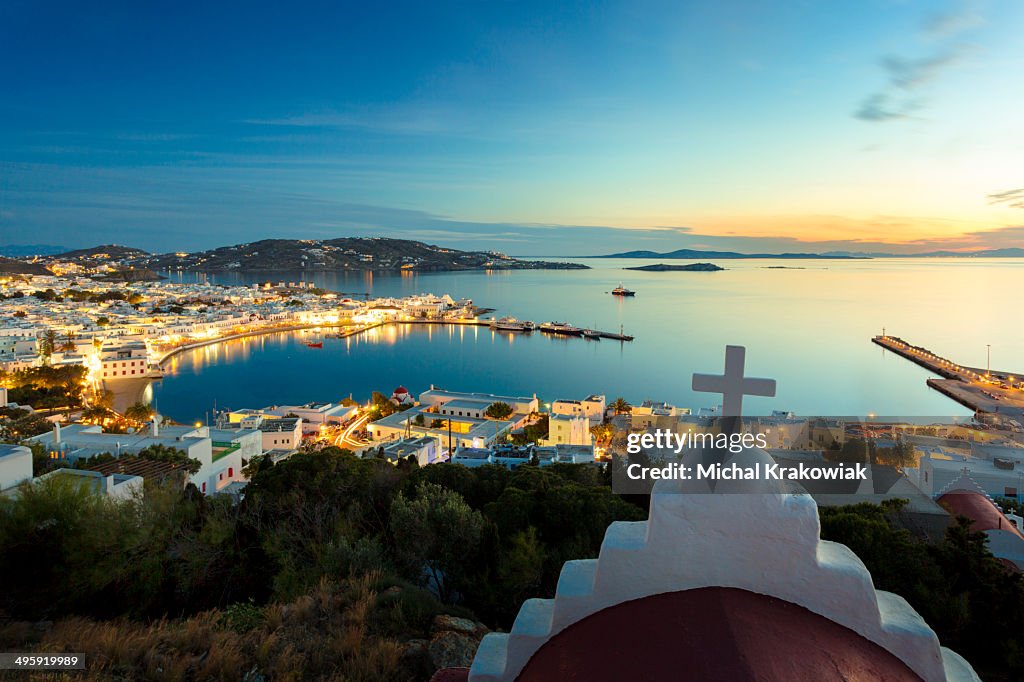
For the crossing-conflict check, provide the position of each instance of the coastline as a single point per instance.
(262, 332)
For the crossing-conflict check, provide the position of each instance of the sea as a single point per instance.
(807, 324)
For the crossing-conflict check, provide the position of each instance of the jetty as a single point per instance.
(475, 322)
(981, 390)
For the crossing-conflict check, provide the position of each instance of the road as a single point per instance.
(345, 438)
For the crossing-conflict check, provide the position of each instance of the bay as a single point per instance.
(807, 324)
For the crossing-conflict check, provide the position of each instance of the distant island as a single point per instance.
(693, 254)
(691, 267)
(279, 255)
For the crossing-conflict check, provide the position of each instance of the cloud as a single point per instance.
(906, 77)
(948, 24)
(1014, 198)
(884, 107)
(908, 74)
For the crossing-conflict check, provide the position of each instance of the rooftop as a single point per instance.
(280, 425)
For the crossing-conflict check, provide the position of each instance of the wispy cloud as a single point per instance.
(1014, 198)
(945, 24)
(901, 97)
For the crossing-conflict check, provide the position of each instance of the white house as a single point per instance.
(15, 466)
(935, 474)
(426, 450)
(313, 415)
(220, 453)
(281, 434)
(126, 360)
(437, 397)
(117, 486)
(568, 430)
(592, 407)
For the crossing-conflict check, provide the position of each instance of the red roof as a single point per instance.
(712, 633)
(401, 390)
(979, 509)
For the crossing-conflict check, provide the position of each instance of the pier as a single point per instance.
(488, 322)
(981, 390)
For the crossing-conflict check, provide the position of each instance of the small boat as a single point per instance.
(592, 334)
(314, 344)
(622, 291)
(561, 328)
(528, 326)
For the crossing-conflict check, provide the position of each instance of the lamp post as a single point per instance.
(988, 359)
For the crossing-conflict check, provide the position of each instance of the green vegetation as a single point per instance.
(17, 424)
(533, 431)
(855, 450)
(325, 540)
(620, 406)
(974, 604)
(46, 387)
(138, 413)
(498, 410)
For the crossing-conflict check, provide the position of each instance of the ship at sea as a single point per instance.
(622, 291)
(511, 324)
(561, 328)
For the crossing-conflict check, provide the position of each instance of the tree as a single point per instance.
(498, 410)
(102, 321)
(419, 420)
(854, 450)
(48, 343)
(381, 405)
(900, 455)
(620, 406)
(140, 413)
(437, 423)
(69, 342)
(432, 534)
(164, 453)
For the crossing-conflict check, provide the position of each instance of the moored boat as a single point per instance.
(510, 324)
(622, 291)
(592, 334)
(561, 328)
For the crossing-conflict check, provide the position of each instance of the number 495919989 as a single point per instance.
(21, 661)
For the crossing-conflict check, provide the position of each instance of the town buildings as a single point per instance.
(221, 453)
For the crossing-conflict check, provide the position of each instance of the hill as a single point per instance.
(691, 267)
(346, 253)
(103, 252)
(690, 254)
(10, 266)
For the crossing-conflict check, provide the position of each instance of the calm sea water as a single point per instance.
(807, 325)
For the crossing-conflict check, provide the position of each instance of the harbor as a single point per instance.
(514, 326)
(982, 390)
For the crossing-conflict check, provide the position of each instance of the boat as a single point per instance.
(622, 291)
(510, 324)
(528, 326)
(314, 344)
(561, 328)
(592, 334)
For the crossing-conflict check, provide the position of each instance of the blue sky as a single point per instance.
(535, 128)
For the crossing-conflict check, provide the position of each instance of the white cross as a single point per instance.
(733, 385)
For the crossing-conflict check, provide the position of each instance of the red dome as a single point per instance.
(979, 509)
(711, 633)
(401, 390)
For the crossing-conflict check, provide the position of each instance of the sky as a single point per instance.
(534, 128)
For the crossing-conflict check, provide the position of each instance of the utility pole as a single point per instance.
(988, 359)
